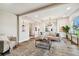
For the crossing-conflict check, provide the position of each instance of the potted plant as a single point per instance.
(66, 30)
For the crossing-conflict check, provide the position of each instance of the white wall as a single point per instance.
(23, 36)
(8, 24)
(62, 22)
(41, 26)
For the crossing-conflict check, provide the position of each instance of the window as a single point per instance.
(76, 22)
(76, 25)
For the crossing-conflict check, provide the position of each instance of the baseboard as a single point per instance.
(23, 41)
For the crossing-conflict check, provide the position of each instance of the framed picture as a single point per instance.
(23, 28)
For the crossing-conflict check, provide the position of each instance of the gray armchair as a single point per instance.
(4, 46)
(7, 43)
(1, 46)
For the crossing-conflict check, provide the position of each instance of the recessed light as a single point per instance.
(68, 8)
(36, 15)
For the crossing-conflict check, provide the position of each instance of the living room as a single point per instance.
(25, 26)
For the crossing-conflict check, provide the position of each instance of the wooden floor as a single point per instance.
(62, 48)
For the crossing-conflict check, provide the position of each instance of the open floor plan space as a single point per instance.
(39, 29)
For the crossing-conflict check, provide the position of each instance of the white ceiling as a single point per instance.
(53, 12)
(18, 8)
